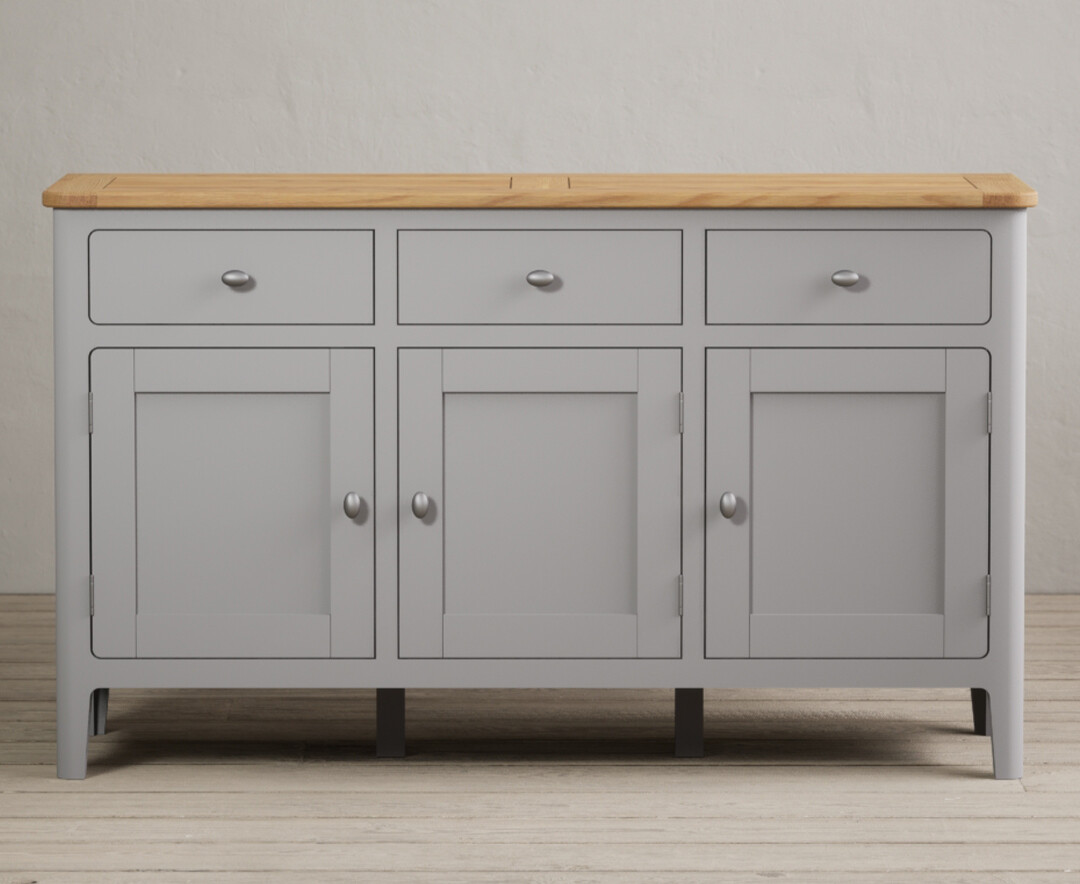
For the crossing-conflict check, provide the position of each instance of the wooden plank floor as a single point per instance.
(539, 786)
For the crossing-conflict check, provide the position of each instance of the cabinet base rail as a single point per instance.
(80, 717)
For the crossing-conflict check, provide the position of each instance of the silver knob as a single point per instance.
(845, 278)
(420, 504)
(235, 278)
(352, 504)
(728, 502)
(540, 278)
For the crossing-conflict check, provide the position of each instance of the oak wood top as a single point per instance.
(964, 191)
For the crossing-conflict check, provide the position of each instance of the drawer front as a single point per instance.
(167, 277)
(481, 277)
(930, 277)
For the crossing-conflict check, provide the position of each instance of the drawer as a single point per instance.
(481, 277)
(931, 277)
(166, 277)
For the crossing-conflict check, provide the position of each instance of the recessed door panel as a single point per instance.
(218, 539)
(870, 468)
(528, 474)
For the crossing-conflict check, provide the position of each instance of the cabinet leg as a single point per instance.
(978, 710)
(689, 722)
(1005, 724)
(99, 711)
(74, 719)
(390, 722)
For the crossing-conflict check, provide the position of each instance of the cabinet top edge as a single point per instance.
(671, 191)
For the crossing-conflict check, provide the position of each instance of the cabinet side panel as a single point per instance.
(420, 541)
(727, 541)
(112, 502)
(352, 541)
(659, 503)
(967, 493)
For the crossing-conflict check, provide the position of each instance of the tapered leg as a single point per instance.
(73, 723)
(390, 722)
(99, 711)
(1005, 723)
(689, 722)
(978, 710)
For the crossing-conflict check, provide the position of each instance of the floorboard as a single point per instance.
(839, 786)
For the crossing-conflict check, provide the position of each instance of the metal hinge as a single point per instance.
(682, 411)
(987, 595)
(91, 595)
(90, 413)
(680, 594)
(989, 413)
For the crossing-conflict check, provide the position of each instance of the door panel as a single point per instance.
(862, 479)
(870, 469)
(554, 482)
(210, 539)
(531, 473)
(239, 462)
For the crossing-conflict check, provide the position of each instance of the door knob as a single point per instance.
(728, 502)
(353, 503)
(845, 278)
(235, 278)
(420, 504)
(540, 278)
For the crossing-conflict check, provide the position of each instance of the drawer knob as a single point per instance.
(235, 278)
(845, 278)
(540, 278)
(353, 502)
(728, 502)
(421, 503)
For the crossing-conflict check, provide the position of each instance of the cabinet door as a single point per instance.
(861, 524)
(553, 523)
(218, 522)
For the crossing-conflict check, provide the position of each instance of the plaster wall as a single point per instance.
(538, 86)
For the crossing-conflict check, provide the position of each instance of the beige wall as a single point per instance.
(539, 85)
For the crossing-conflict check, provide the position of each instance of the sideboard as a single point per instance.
(652, 431)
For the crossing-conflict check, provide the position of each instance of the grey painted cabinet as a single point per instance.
(861, 524)
(218, 525)
(551, 480)
(563, 447)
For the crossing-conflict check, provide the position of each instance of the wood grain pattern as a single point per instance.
(540, 182)
(539, 191)
(821, 787)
